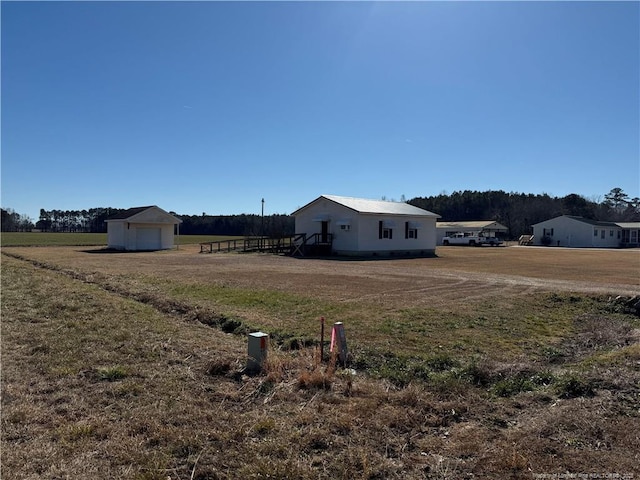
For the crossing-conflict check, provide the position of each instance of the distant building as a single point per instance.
(358, 226)
(141, 228)
(630, 234)
(572, 231)
(488, 228)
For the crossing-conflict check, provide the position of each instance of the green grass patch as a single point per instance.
(572, 385)
(111, 374)
(531, 326)
(51, 239)
(48, 239)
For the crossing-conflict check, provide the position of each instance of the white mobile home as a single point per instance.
(141, 228)
(570, 231)
(363, 227)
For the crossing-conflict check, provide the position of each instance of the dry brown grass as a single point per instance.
(107, 371)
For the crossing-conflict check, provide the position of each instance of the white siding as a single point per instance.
(134, 236)
(362, 237)
(565, 231)
(150, 229)
(116, 235)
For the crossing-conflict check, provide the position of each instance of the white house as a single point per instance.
(141, 228)
(363, 227)
(570, 231)
(488, 228)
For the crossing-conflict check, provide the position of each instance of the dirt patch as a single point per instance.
(455, 272)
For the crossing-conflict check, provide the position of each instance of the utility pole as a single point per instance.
(262, 223)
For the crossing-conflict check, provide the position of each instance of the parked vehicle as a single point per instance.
(491, 241)
(470, 238)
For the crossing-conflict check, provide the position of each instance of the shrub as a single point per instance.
(522, 382)
(572, 386)
(230, 325)
(441, 362)
(111, 374)
(478, 373)
(218, 367)
(512, 386)
(552, 354)
(315, 379)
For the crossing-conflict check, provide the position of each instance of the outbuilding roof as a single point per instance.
(150, 214)
(364, 205)
(128, 213)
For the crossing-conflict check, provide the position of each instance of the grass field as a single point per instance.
(41, 239)
(479, 363)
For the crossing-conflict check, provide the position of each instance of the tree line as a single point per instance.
(517, 211)
(93, 221)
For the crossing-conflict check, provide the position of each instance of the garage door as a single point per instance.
(148, 239)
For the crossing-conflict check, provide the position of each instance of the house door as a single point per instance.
(325, 232)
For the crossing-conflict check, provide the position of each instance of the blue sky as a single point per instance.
(212, 106)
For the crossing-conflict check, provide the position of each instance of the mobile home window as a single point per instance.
(611, 233)
(385, 229)
(410, 230)
(595, 232)
(602, 233)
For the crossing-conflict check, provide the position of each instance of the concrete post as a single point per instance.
(257, 351)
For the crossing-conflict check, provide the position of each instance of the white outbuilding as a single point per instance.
(141, 228)
(572, 231)
(363, 227)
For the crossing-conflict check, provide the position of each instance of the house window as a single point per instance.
(611, 233)
(410, 230)
(595, 232)
(602, 232)
(385, 229)
(547, 232)
(345, 228)
(618, 234)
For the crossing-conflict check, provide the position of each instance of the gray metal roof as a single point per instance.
(478, 224)
(364, 205)
(595, 223)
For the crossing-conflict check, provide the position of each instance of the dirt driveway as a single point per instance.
(456, 272)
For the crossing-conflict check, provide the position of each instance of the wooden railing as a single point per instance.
(298, 244)
(221, 246)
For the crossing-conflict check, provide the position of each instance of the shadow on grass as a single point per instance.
(107, 250)
(367, 258)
